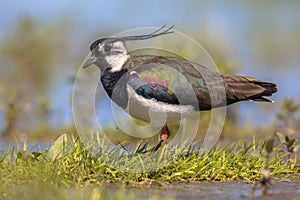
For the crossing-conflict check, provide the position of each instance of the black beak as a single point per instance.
(92, 59)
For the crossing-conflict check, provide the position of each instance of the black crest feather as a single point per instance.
(161, 31)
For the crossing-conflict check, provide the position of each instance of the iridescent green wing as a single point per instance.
(179, 81)
(168, 79)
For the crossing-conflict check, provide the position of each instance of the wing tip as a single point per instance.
(263, 99)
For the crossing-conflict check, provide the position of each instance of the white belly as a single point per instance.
(150, 110)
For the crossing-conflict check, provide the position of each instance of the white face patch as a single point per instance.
(116, 57)
(119, 46)
(116, 62)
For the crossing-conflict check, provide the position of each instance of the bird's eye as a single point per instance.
(107, 48)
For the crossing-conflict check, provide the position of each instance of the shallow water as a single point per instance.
(213, 190)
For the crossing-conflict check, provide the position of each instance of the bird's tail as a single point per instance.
(242, 88)
(269, 89)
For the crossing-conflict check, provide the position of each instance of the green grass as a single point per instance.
(68, 165)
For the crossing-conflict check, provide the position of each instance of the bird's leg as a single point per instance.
(165, 133)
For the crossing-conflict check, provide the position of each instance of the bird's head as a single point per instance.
(108, 53)
(112, 53)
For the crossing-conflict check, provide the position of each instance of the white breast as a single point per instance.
(152, 110)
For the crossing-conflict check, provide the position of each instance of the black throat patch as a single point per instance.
(115, 85)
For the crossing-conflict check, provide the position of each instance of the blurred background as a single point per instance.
(42, 45)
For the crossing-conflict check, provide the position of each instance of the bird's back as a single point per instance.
(178, 81)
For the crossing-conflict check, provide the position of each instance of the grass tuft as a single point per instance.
(73, 165)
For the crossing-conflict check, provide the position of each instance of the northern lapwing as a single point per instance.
(172, 86)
